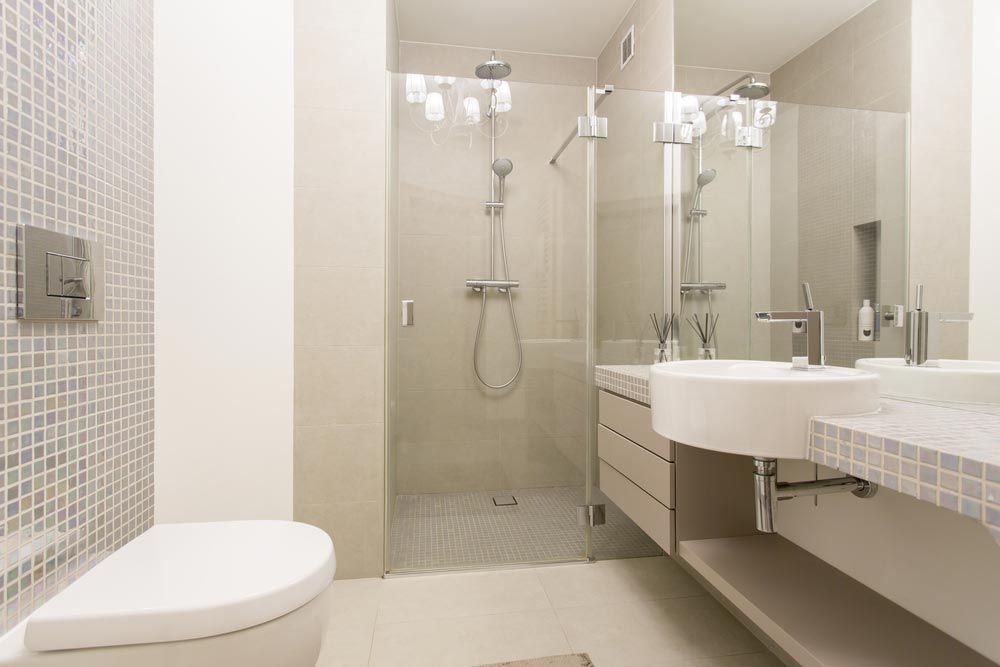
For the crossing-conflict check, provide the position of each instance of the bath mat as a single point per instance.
(577, 660)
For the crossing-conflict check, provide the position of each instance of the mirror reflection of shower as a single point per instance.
(743, 117)
(491, 72)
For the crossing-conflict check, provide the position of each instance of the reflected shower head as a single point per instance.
(753, 90)
(704, 178)
(502, 167)
(493, 68)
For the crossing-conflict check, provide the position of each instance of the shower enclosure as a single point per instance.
(494, 315)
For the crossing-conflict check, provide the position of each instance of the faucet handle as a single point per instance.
(807, 293)
(919, 302)
(953, 317)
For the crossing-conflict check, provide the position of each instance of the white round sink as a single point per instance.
(950, 380)
(756, 408)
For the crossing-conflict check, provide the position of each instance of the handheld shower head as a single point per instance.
(502, 167)
(704, 178)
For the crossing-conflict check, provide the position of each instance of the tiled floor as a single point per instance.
(623, 613)
(448, 530)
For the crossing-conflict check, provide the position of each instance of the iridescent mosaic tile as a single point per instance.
(940, 455)
(76, 419)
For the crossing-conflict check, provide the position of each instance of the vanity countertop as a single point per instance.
(940, 455)
(947, 457)
(628, 381)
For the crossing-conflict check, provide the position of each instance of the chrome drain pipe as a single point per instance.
(768, 491)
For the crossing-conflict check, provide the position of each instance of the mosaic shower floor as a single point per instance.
(451, 530)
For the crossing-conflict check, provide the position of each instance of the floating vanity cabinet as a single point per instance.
(637, 467)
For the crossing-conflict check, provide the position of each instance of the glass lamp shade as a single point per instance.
(503, 97)
(416, 89)
(472, 114)
(434, 108)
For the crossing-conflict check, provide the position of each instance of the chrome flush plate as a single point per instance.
(59, 277)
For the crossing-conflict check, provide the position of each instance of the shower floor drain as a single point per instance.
(504, 501)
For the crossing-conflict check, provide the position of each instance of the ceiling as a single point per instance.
(757, 36)
(564, 27)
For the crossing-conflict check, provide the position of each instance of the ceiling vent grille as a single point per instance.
(627, 49)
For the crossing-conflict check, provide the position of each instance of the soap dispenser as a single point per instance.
(866, 322)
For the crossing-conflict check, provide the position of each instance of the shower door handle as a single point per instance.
(406, 313)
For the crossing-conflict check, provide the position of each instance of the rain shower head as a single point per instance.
(493, 68)
(753, 90)
(502, 167)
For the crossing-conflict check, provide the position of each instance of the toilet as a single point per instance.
(249, 593)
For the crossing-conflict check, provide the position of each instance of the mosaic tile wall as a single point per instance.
(76, 420)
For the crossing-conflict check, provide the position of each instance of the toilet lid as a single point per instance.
(185, 581)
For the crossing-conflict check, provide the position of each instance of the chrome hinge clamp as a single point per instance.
(592, 127)
(590, 515)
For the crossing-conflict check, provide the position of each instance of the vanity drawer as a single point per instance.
(653, 518)
(647, 470)
(634, 421)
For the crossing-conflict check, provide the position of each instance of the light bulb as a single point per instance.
(472, 115)
(503, 97)
(434, 107)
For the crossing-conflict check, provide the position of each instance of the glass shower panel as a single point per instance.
(632, 251)
(486, 476)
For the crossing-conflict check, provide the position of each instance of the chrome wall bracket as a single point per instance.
(592, 127)
(768, 491)
(673, 133)
(590, 515)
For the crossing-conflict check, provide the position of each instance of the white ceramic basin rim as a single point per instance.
(755, 408)
(953, 380)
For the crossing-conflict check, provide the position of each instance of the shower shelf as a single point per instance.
(702, 287)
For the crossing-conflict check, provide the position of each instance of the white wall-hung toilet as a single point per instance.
(249, 593)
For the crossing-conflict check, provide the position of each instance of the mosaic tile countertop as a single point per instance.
(947, 457)
(628, 381)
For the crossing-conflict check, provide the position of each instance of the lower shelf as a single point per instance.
(815, 613)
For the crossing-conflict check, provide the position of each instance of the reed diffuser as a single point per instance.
(706, 334)
(662, 329)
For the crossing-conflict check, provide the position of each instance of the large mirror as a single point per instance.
(820, 157)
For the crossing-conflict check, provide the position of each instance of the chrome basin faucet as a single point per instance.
(808, 321)
(923, 332)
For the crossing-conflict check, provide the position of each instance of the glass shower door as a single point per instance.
(480, 475)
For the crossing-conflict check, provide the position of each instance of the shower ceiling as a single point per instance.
(564, 27)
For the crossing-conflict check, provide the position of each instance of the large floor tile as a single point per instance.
(457, 595)
(624, 580)
(353, 608)
(472, 640)
(655, 632)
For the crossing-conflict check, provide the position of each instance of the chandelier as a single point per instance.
(451, 107)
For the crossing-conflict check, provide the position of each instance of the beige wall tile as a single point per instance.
(356, 529)
(339, 306)
(340, 226)
(346, 148)
(339, 463)
(338, 385)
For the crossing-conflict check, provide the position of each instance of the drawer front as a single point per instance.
(634, 421)
(653, 518)
(645, 469)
